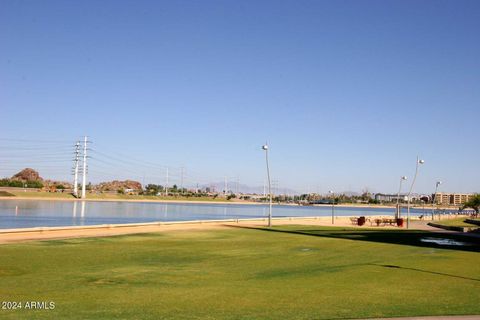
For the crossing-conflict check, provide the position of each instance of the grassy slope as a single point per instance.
(457, 222)
(241, 274)
(36, 194)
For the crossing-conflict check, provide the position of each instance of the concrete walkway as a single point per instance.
(477, 317)
(423, 225)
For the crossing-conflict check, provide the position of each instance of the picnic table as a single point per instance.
(384, 221)
(378, 221)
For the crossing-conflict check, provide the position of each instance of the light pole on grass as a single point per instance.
(265, 147)
(434, 198)
(333, 206)
(419, 162)
(402, 178)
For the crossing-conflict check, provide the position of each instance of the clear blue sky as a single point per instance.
(346, 92)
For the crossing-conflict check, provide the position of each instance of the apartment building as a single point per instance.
(453, 199)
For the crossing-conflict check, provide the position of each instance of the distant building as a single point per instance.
(389, 197)
(454, 199)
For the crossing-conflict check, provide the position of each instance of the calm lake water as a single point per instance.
(31, 213)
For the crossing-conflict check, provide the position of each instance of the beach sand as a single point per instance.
(49, 233)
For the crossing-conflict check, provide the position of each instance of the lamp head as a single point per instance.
(265, 147)
(330, 191)
(421, 161)
(404, 178)
(439, 183)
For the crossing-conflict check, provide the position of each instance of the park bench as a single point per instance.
(392, 222)
(384, 221)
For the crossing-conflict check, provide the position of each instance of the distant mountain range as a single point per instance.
(243, 188)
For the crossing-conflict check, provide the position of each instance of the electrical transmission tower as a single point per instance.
(275, 187)
(84, 171)
(75, 174)
(225, 190)
(181, 181)
(166, 184)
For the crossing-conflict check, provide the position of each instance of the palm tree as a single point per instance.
(473, 203)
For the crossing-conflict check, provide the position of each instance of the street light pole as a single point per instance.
(419, 161)
(333, 206)
(265, 147)
(398, 196)
(434, 198)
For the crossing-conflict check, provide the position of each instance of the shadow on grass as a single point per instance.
(411, 238)
(424, 271)
(401, 237)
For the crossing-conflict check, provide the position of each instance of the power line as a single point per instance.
(131, 161)
(57, 155)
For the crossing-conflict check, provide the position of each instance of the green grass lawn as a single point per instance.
(457, 222)
(36, 194)
(293, 272)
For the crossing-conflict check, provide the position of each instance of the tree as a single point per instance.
(366, 195)
(153, 189)
(34, 184)
(473, 203)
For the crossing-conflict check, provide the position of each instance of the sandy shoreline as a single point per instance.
(50, 233)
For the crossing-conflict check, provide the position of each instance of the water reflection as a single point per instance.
(31, 213)
(82, 212)
(74, 209)
(445, 242)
